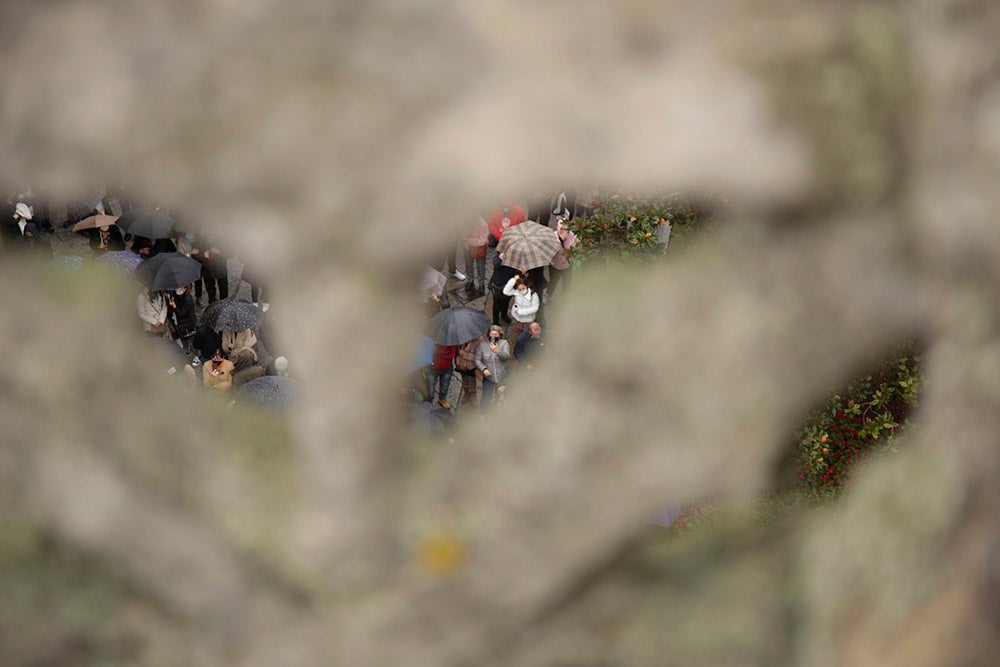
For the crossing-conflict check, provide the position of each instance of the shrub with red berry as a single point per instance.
(866, 418)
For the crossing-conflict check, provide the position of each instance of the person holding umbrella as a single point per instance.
(167, 271)
(102, 233)
(440, 372)
(449, 329)
(524, 307)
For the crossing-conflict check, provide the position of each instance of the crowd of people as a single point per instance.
(514, 261)
(509, 338)
(182, 278)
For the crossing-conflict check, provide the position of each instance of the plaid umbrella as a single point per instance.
(122, 261)
(231, 315)
(528, 245)
(271, 392)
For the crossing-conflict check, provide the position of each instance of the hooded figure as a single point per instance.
(33, 241)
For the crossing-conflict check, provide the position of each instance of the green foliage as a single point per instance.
(626, 225)
(868, 417)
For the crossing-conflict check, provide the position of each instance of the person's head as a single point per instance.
(218, 356)
(535, 329)
(523, 283)
(281, 365)
(495, 333)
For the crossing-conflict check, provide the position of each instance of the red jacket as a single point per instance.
(444, 356)
(514, 216)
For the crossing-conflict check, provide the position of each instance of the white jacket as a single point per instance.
(151, 311)
(525, 303)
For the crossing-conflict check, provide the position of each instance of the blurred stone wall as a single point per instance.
(338, 144)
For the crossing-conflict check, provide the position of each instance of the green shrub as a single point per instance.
(868, 417)
(626, 225)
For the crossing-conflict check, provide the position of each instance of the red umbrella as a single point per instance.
(500, 220)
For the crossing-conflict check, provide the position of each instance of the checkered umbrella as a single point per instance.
(528, 245)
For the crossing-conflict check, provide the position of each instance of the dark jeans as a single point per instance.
(434, 377)
(500, 301)
(211, 280)
(489, 386)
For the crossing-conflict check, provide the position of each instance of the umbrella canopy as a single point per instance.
(149, 223)
(432, 282)
(67, 263)
(500, 222)
(95, 222)
(231, 315)
(528, 245)
(457, 325)
(122, 261)
(272, 392)
(425, 354)
(168, 270)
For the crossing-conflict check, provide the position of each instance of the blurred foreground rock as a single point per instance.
(341, 143)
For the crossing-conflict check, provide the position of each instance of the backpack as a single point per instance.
(466, 359)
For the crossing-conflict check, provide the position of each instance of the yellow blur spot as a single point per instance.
(442, 554)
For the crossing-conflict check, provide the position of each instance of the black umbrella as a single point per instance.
(168, 270)
(457, 325)
(149, 223)
(272, 392)
(231, 315)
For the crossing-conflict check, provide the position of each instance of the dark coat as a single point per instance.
(214, 267)
(501, 274)
(207, 341)
(526, 347)
(182, 314)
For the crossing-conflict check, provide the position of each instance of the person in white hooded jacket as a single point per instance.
(524, 307)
